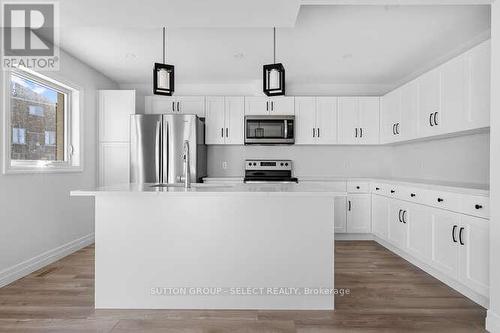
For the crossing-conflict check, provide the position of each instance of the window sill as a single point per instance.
(39, 170)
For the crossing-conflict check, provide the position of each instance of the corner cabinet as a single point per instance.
(359, 120)
(224, 120)
(359, 213)
(316, 120)
(283, 105)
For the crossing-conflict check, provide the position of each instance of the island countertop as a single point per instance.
(213, 189)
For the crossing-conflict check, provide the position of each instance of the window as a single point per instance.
(43, 117)
(50, 138)
(35, 110)
(18, 136)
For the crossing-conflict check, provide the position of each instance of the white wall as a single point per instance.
(37, 214)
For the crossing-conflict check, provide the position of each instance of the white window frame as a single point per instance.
(73, 124)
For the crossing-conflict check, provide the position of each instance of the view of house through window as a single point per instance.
(37, 120)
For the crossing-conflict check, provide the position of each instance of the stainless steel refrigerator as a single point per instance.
(157, 148)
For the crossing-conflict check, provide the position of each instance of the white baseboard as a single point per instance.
(26, 267)
(344, 236)
(493, 322)
(464, 290)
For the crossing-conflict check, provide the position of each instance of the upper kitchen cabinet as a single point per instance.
(359, 120)
(479, 62)
(407, 130)
(115, 108)
(390, 117)
(269, 106)
(175, 104)
(430, 113)
(316, 119)
(224, 120)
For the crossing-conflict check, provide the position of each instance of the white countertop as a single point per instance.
(214, 190)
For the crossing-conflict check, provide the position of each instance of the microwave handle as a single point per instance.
(286, 129)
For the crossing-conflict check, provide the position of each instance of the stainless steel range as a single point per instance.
(269, 171)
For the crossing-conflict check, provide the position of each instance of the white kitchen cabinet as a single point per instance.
(359, 120)
(430, 113)
(380, 216)
(359, 213)
(390, 117)
(316, 120)
(340, 214)
(269, 106)
(398, 224)
(224, 120)
(409, 112)
(175, 104)
(445, 233)
(419, 220)
(115, 108)
(454, 94)
(113, 163)
(473, 237)
(480, 90)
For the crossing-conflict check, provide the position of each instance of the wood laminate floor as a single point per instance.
(388, 294)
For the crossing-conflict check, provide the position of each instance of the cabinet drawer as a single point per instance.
(336, 186)
(444, 200)
(378, 188)
(476, 205)
(358, 187)
(409, 193)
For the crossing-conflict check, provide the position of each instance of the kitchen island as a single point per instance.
(255, 246)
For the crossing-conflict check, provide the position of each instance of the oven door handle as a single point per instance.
(286, 129)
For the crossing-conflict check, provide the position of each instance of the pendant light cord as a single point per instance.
(274, 45)
(164, 43)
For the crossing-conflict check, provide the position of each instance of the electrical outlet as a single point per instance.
(224, 165)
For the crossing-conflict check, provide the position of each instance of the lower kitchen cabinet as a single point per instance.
(473, 244)
(340, 215)
(445, 233)
(398, 224)
(380, 216)
(359, 213)
(419, 220)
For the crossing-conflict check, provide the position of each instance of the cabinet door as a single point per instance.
(397, 227)
(234, 120)
(380, 216)
(160, 104)
(191, 105)
(256, 106)
(348, 120)
(409, 111)
(326, 120)
(340, 214)
(455, 95)
(390, 116)
(214, 122)
(429, 86)
(281, 106)
(369, 120)
(474, 253)
(419, 220)
(480, 75)
(113, 163)
(359, 213)
(115, 108)
(445, 250)
(305, 124)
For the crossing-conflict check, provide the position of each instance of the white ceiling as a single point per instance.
(328, 45)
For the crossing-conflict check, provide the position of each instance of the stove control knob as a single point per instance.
(286, 164)
(281, 164)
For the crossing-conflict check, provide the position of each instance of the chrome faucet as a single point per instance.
(187, 173)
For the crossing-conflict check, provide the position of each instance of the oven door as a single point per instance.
(269, 129)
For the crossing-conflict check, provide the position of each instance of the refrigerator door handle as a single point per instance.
(158, 153)
(164, 151)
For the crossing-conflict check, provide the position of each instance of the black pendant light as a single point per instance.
(274, 75)
(163, 74)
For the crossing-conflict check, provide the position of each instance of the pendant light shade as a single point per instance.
(274, 75)
(163, 75)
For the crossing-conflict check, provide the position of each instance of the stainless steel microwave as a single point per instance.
(270, 130)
